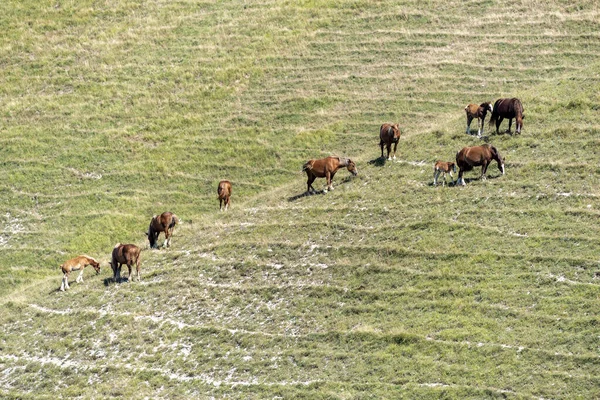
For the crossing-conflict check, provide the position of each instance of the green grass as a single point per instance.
(387, 287)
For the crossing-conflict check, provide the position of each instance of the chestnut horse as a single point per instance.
(77, 264)
(224, 192)
(477, 111)
(470, 157)
(128, 254)
(443, 168)
(326, 168)
(508, 108)
(164, 222)
(389, 134)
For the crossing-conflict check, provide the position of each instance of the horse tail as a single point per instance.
(307, 166)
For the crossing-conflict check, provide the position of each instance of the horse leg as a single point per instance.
(381, 145)
(80, 277)
(129, 269)
(436, 173)
(483, 170)
(328, 177)
(461, 180)
(479, 126)
(395, 146)
(310, 180)
(509, 125)
(220, 204)
(451, 177)
(444, 176)
(469, 119)
(227, 203)
(65, 282)
(137, 266)
(388, 147)
(498, 122)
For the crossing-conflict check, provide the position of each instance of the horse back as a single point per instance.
(224, 189)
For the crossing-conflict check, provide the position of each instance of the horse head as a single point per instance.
(394, 132)
(351, 167)
(96, 266)
(496, 156)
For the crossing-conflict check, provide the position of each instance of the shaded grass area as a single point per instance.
(386, 287)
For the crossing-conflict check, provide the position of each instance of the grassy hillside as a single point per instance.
(387, 287)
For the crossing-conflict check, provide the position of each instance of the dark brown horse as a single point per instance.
(389, 134)
(508, 108)
(165, 223)
(470, 157)
(224, 192)
(128, 254)
(77, 264)
(326, 168)
(477, 111)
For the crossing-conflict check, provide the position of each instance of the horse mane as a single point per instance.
(117, 245)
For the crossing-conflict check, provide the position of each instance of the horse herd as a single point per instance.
(389, 134)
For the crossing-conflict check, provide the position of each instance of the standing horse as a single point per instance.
(128, 254)
(477, 111)
(389, 134)
(77, 264)
(508, 108)
(224, 192)
(326, 168)
(164, 222)
(470, 157)
(443, 168)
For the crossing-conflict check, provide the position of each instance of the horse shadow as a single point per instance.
(378, 162)
(305, 194)
(111, 280)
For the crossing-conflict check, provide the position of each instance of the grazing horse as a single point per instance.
(470, 157)
(224, 192)
(164, 222)
(128, 254)
(477, 111)
(389, 134)
(77, 264)
(443, 168)
(508, 108)
(326, 168)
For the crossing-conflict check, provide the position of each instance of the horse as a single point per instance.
(224, 192)
(477, 111)
(389, 134)
(164, 222)
(508, 108)
(442, 167)
(77, 264)
(128, 254)
(326, 168)
(469, 157)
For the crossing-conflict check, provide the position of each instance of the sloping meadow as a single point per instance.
(385, 287)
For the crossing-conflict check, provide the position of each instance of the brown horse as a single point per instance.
(77, 264)
(470, 157)
(508, 108)
(128, 254)
(443, 168)
(224, 192)
(326, 168)
(389, 134)
(477, 111)
(165, 223)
